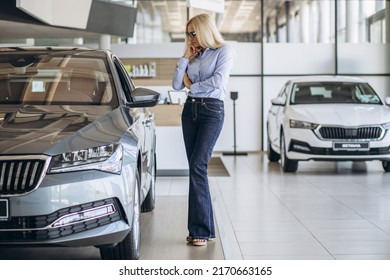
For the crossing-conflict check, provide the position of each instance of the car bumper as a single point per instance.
(305, 145)
(90, 209)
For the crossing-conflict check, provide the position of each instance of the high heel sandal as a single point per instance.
(199, 242)
(196, 241)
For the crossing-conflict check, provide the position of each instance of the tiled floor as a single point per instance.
(326, 210)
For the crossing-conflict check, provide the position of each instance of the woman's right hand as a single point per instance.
(190, 52)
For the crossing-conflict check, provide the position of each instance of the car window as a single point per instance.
(55, 79)
(365, 94)
(125, 79)
(333, 92)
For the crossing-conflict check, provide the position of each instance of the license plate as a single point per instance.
(4, 209)
(351, 146)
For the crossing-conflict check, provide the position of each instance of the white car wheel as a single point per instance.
(386, 165)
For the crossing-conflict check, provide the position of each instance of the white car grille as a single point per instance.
(355, 133)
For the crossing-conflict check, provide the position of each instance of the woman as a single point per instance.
(204, 70)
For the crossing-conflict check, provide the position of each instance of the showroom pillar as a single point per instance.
(290, 21)
(277, 29)
(366, 10)
(352, 24)
(105, 42)
(387, 19)
(304, 21)
(287, 6)
(324, 24)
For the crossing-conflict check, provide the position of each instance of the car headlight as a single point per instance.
(106, 158)
(301, 124)
(386, 125)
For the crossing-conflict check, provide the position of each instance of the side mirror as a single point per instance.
(387, 101)
(278, 101)
(144, 97)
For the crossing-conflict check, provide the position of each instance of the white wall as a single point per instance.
(164, 50)
(248, 116)
(246, 80)
(298, 58)
(364, 58)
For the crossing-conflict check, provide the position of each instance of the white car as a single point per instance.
(332, 118)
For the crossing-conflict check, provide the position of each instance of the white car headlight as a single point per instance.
(301, 124)
(386, 125)
(106, 158)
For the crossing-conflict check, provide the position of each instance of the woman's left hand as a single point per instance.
(187, 82)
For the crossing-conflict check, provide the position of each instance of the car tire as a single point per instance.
(386, 165)
(130, 247)
(272, 155)
(150, 200)
(288, 165)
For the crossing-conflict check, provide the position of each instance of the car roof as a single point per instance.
(327, 78)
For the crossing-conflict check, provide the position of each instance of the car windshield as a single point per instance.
(333, 92)
(55, 78)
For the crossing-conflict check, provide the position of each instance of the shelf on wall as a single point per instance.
(142, 70)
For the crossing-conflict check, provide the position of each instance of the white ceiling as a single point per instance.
(241, 16)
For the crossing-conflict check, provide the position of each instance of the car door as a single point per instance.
(275, 117)
(145, 128)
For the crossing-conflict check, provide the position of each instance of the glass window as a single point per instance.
(40, 78)
(162, 21)
(324, 92)
(376, 26)
(361, 29)
(361, 21)
(299, 21)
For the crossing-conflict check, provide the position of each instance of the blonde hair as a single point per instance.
(206, 30)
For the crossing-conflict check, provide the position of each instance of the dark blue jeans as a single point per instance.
(202, 121)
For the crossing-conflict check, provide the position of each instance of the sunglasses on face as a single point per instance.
(192, 34)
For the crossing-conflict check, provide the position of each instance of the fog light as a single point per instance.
(85, 215)
(302, 148)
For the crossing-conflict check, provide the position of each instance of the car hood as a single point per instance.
(56, 129)
(340, 114)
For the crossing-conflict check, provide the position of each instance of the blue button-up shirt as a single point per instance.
(209, 73)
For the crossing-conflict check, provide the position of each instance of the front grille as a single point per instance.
(20, 176)
(38, 228)
(360, 133)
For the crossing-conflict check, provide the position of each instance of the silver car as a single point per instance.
(77, 151)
